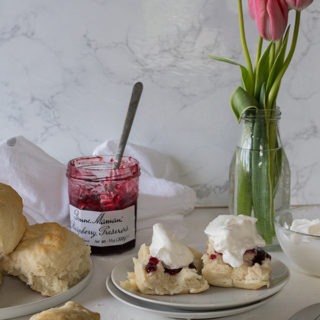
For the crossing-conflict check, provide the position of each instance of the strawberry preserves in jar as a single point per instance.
(103, 202)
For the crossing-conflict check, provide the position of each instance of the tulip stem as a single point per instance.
(275, 88)
(294, 39)
(259, 49)
(244, 41)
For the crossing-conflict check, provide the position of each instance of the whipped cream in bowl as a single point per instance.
(298, 233)
(306, 226)
(232, 236)
(167, 248)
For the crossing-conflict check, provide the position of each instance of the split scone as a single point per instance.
(49, 258)
(69, 311)
(234, 257)
(167, 267)
(12, 221)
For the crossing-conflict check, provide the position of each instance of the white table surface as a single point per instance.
(300, 291)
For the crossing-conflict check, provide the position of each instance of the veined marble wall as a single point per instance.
(67, 68)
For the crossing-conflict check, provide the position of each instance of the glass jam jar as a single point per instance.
(103, 202)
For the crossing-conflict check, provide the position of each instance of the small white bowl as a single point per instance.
(302, 249)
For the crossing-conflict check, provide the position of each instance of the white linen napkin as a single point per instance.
(38, 178)
(41, 182)
(160, 198)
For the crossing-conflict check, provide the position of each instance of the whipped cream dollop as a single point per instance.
(307, 226)
(232, 236)
(168, 249)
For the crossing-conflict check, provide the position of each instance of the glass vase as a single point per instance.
(259, 173)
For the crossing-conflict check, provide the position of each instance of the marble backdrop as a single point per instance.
(67, 68)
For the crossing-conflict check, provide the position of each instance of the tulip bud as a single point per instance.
(298, 4)
(271, 17)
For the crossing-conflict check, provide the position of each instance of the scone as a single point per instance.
(69, 311)
(234, 257)
(253, 273)
(166, 272)
(49, 258)
(12, 221)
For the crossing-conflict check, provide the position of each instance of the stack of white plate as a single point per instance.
(213, 303)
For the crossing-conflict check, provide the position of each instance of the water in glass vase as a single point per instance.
(259, 173)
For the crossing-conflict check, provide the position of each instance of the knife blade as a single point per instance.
(311, 312)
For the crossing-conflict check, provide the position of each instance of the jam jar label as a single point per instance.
(104, 229)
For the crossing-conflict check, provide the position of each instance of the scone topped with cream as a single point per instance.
(234, 256)
(166, 267)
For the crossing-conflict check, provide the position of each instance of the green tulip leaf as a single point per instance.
(242, 101)
(247, 81)
(262, 70)
(277, 71)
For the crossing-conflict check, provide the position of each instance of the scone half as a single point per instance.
(254, 273)
(150, 276)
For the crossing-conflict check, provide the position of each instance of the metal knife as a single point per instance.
(311, 312)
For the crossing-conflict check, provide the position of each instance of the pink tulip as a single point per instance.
(298, 4)
(271, 17)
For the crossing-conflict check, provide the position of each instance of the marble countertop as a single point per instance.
(300, 291)
(68, 67)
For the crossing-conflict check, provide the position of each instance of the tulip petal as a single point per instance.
(298, 4)
(278, 17)
(252, 8)
(271, 17)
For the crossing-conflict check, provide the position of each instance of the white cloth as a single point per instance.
(159, 197)
(38, 178)
(41, 182)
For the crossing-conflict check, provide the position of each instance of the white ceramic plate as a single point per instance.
(17, 299)
(177, 313)
(214, 298)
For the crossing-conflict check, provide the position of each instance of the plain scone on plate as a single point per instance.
(12, 221)
(49, 258)
(69, 311)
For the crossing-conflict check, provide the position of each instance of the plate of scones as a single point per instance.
(41, 265)
(232, 274)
